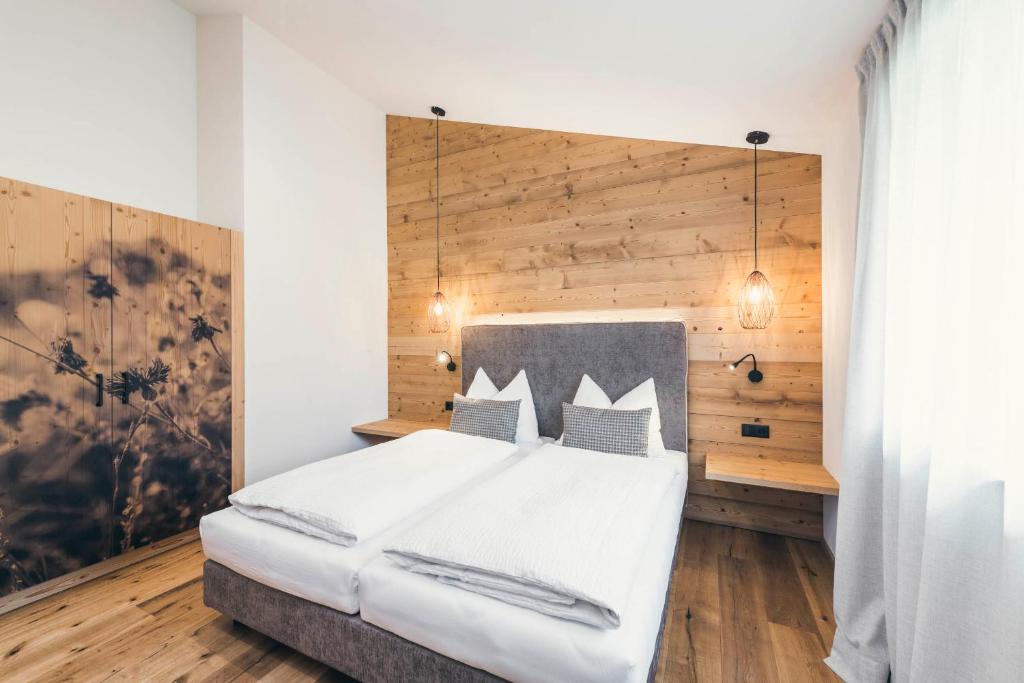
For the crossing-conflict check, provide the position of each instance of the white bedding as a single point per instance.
(523, 645)
(351, 497)
(561, 532)
(308, 567)
(292, 562)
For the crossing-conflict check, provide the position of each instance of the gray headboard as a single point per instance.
(618, 356)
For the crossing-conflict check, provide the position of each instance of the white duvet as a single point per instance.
(561, 532)
(351, 497)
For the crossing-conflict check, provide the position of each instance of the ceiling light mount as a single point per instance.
(754, 137)
(437, 111)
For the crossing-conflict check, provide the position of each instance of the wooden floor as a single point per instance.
(748, 606)
(745, 606)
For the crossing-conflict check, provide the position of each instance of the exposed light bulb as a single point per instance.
(441, 357)
(732, 367)
(438, 313)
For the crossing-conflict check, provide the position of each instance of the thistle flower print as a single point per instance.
(201, 329)
(124, 384)
(67, 360)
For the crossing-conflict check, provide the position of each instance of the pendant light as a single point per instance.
(757, 301)
(437, 311)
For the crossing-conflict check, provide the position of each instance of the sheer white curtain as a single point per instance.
(930, 548)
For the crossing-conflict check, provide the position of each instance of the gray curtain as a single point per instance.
(929, 582)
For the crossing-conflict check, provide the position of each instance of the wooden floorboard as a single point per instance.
(744, 606)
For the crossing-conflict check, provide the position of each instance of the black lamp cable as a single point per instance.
(755, 207)
(437, 191)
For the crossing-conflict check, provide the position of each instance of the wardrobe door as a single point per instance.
(172, 439)
(55, 442)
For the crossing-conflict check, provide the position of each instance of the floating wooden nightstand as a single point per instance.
(776, 474)
(394, 428)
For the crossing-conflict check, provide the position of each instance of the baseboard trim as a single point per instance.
(828, 551)
(77, 578)
(702, 516)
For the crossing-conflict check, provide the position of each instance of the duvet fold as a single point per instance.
(560, 532)
(351, 497)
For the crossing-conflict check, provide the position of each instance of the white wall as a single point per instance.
(99, 98)
(315, 259)
(840, 160)
(220, 157)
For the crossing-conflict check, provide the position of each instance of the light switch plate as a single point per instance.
(756, 431)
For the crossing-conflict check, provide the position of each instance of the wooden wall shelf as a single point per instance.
(394, 429)
(776, 474)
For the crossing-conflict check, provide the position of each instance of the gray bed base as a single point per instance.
(344, 641)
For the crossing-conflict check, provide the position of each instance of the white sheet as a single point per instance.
(522, 645)
(560, 532)
(351, 497)
(308, 567)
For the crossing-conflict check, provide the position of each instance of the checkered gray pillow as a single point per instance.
(605, 430)
(484, 417)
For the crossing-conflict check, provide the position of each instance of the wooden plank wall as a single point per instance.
(546, 226)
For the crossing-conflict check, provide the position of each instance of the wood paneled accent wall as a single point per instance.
(545, 226)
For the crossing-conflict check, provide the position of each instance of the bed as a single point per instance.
(301, 565)
(410, 627)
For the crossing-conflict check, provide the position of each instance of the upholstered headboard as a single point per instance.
(618, 356)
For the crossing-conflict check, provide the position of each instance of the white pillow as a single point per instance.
(590, 395)
(518, 388)
(644, 395)
(482, 386)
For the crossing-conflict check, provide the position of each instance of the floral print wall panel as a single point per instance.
(106, 299)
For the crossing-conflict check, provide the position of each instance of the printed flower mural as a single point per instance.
(81, 482)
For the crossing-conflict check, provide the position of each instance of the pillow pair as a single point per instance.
(508, 414)
(630, 425)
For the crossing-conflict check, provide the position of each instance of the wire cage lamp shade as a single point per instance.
(438, 312)
(756, 304)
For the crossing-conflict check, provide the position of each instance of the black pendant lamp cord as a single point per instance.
(437, 190)
(755, 207)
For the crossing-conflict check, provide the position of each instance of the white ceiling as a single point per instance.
(694, 70)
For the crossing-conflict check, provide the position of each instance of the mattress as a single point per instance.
(522, 645)
(305, 566)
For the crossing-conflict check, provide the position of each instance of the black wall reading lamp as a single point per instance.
(446, 359)
(754, 375)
